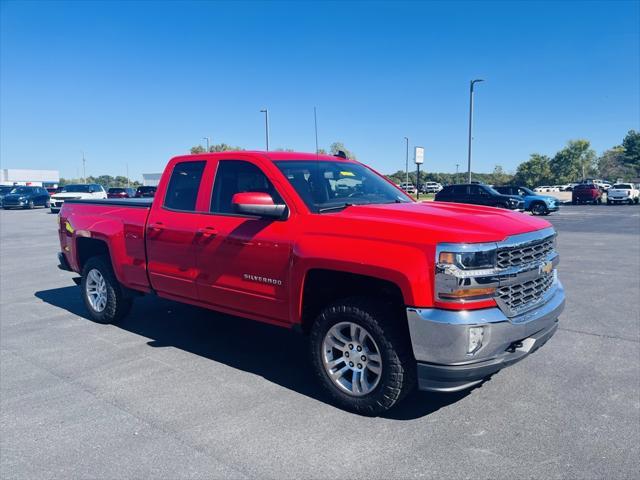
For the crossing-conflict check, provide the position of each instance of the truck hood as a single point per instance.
(447, 222)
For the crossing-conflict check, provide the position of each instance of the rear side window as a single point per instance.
(184, 184)
(236, 176)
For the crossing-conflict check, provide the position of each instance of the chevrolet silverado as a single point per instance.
(391, 293)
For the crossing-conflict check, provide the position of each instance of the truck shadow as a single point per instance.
(240, 343)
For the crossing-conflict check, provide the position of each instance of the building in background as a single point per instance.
(23, 176)
(151, 179)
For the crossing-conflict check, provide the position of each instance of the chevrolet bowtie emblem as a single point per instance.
(546, 267)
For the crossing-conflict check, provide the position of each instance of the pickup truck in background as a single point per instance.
(623, 192)
(392, 293)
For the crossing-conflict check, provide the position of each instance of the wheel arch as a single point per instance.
(323, 286)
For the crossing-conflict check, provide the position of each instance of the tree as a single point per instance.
(500, 177)
(335, 147)
(535, 171)
(576, 160)
(218, 147)
(612, 165)
(631, 145)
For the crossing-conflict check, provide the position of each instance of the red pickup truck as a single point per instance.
(391, 292)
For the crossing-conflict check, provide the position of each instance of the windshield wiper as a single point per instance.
(335, 207)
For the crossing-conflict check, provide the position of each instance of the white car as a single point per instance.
(542, 189)
(76, 192)
(408, 187)
(623, 192)
(431, 187)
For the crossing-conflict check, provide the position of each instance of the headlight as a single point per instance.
(469, 260)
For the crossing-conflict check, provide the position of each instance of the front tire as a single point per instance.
(362, 355)
(102, 293)
(539, 209)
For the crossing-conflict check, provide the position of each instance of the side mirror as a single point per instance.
(257, 203)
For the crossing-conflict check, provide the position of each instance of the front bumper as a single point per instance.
(440, 341)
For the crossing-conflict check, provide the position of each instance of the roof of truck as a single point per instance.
(277, 156)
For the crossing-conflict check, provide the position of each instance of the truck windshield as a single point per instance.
(325, 185)
(75, 189)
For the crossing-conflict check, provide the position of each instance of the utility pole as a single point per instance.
(207, 140)
(457, 179)
(266, 124)
(84, 170)
(127, 175)
(473, 82)
(315, 121)
(406, 168)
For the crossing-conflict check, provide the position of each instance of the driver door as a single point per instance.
(243, 261)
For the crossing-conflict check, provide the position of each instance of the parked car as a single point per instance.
(3, 191)
(146, 192)
(52, 190)
(408, 187)
(86, 191)
(533, 202)
(121, 192)
(623, 192)
(392, 293)
(542, 189)
(26, 197)
(479, 194)
(431, 187)
(586, 193)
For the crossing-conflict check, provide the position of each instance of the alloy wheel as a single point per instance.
(96, 290)
(352, 359)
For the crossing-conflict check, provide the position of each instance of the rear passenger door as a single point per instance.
(171, 233)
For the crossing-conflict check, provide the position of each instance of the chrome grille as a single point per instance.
(524, 295)
(524, 254)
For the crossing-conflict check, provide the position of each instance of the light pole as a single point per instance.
(473, 82)
(266, 124)
(207, 139)
(457, 166)
(315, 122)
(406, 168)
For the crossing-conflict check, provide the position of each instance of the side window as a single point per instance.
(184, 184)
(236, 176)
(459, 190)
(475, 190)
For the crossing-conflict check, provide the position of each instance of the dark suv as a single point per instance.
(144, 192)
(479, 194)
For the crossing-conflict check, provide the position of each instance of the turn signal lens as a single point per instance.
(468, 294)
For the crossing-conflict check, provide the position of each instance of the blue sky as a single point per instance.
(139, 82)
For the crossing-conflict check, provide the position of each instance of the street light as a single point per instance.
(457, 166)
(473, 82)
(266, 124)
(207, 139)
(406, 169)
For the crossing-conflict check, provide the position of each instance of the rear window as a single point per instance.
(184, 184)
(116, 190)
(623, 186)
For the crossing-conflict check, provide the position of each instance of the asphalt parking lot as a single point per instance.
(179, 392)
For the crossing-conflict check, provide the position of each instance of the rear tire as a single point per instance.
(102, 293)
(30, 205)
(364, 329)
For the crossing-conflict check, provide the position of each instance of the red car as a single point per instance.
(586, 193)
(121, 192)
(392, 293)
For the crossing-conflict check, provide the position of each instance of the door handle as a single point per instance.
(206, 232)
(157, 227)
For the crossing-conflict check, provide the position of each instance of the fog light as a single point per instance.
(476, 335)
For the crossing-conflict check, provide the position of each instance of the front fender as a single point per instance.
(405, 265)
